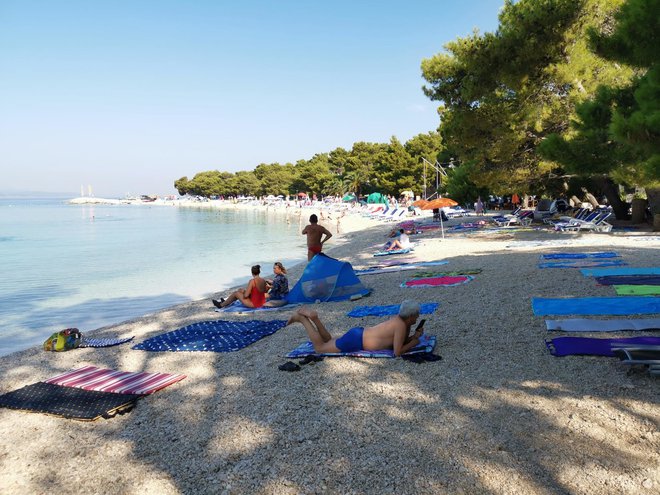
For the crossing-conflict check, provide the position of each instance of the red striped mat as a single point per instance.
(119, 382)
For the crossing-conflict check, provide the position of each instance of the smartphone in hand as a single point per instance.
(420, 325)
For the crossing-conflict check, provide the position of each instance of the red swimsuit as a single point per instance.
(258, 298)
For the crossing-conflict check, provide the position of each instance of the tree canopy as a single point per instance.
(502, 94)
(388, 168)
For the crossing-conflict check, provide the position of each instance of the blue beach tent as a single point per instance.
(327, 279)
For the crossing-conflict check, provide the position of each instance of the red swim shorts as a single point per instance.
(315, 249)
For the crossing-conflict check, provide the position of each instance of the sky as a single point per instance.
(127, 96)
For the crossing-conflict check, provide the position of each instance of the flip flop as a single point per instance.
(311, 359)
(289, 366)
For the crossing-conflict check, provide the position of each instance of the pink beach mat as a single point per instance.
(119, 382)
(437, 281)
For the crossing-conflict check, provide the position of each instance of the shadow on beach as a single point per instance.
(497, 414)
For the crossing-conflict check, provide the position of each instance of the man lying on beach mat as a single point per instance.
(391, 334)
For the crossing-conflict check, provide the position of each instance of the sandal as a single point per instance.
(289, 366)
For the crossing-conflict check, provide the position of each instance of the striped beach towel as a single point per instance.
(118, 382)
(108, 342)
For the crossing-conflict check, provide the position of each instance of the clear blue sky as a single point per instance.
(128, 96)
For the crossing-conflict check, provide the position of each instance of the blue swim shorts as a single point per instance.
(351, 341)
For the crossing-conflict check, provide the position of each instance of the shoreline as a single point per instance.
(497, 413)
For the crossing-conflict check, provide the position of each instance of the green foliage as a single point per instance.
(367, 167)
(460, 188)
(502, 94)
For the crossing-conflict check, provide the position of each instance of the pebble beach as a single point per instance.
(497, 414)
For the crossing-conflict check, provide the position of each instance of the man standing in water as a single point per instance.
(314, 232)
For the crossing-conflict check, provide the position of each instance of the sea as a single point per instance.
(88, 266)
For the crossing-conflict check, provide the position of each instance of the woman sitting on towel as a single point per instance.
(401, 242)
(391, 334)
(279, 287)
(253, 296)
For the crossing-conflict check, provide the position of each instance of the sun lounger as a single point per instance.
(595, 221)
(524, 218)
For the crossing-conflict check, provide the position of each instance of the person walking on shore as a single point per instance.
(314, 233)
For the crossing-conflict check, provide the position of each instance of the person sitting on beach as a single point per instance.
(279, 287)
(314, 232)
(400, 242)
(391, 334)
(253, 296)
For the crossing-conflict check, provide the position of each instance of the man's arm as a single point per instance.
(327, 233)
(304, 230)
(402, 343)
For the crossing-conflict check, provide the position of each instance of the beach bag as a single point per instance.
(64, 340)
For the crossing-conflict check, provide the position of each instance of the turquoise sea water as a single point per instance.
(88, 266)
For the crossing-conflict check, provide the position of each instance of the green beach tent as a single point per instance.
(376, 197)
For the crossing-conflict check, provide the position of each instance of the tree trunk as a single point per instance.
(653, 195)
(638, 210)
(611, 191)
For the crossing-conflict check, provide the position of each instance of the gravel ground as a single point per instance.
(498, 414)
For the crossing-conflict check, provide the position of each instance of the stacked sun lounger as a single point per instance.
(595, 221)
(522, 217)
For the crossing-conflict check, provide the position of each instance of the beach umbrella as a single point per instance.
(420, 202)
(437, 204)
(349, 197)
(407, 194)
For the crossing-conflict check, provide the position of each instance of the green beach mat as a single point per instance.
(637, 290)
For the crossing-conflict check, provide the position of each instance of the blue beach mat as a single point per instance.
(216, 336)
(237, 308)
(586, 346)
(596, 305)
(581, 263)
(87, 342)
(426, 345)
(577, 256)
(603, 272)
(396, 251)
(389, 310)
